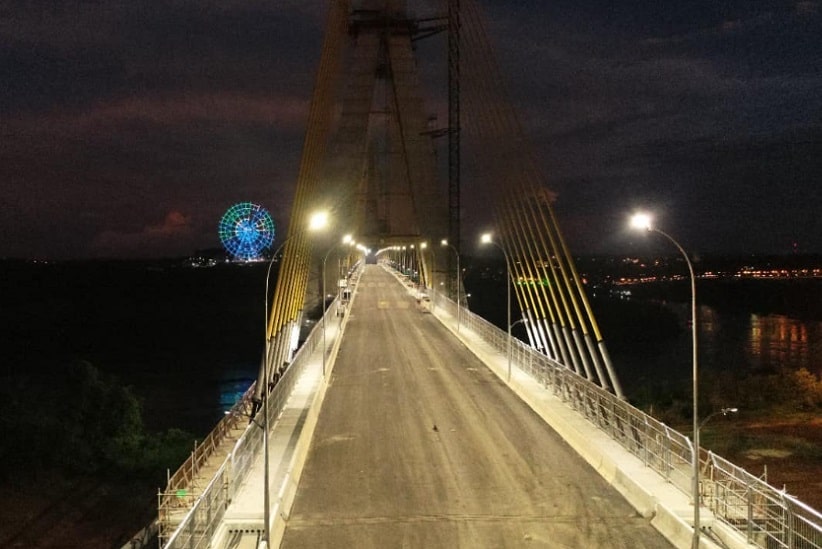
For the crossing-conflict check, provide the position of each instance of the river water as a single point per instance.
(760, 342)
(727, 341)
(748, 341)
(650, 340)
(188, 341)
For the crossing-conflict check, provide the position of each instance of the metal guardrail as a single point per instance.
(188, 519)
(765, 516)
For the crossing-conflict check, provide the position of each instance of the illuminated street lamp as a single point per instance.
(487, 239)
(643, 221)
(316, 222)
(345, 240)
(444, 242)
(723, 412)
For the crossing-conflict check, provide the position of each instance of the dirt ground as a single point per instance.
(54, 513)
(790, 450)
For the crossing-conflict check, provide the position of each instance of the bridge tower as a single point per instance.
(368, 159)
(380, 169)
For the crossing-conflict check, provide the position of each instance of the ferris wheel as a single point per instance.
(246, 229)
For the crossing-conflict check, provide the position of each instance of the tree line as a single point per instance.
(81, 421)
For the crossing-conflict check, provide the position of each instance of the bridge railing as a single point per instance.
(765, 516)
(182, 483)
(188, 518)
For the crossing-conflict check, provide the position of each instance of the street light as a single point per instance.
(423, 272)
(487, 239)
(643, 221)
(444, 242)
(316, 222)
(723, 412)
(345, 240)
(510, 327)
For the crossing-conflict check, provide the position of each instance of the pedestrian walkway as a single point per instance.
(243, 524)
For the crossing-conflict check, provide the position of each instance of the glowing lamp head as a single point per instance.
(486, 238)
(444, 242)
(318, 221)
(641, 221)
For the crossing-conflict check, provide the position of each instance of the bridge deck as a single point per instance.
(418, 444)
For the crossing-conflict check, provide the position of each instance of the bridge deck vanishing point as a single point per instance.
(419, 444)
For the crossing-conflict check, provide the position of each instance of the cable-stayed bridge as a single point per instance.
(404, 420)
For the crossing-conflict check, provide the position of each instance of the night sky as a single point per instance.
(127, 127)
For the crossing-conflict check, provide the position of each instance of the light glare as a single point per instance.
(318, 221)
(641, 221)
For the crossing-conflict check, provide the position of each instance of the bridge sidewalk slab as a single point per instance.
(243, 523)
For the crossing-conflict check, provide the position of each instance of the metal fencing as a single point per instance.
(189, 517)
(765, 516)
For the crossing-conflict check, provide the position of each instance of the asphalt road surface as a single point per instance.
(418, 444)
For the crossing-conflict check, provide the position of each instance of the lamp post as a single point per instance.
(423, 272)
(510, 327)
(345, 240)
(487, 239)
(643, 221)
(316, 222)
(444, 242)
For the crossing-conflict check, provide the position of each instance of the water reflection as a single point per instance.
(233, 384)
(777, 340)
(728, 341)
(758, 342)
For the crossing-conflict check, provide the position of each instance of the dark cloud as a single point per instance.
(163, 238)
(114, 114)
(708, 113)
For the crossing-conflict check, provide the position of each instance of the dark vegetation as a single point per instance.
(168, 331)
(82, 423)
(110, 371)
(76, 459)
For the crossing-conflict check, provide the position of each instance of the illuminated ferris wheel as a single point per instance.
(246, 230)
